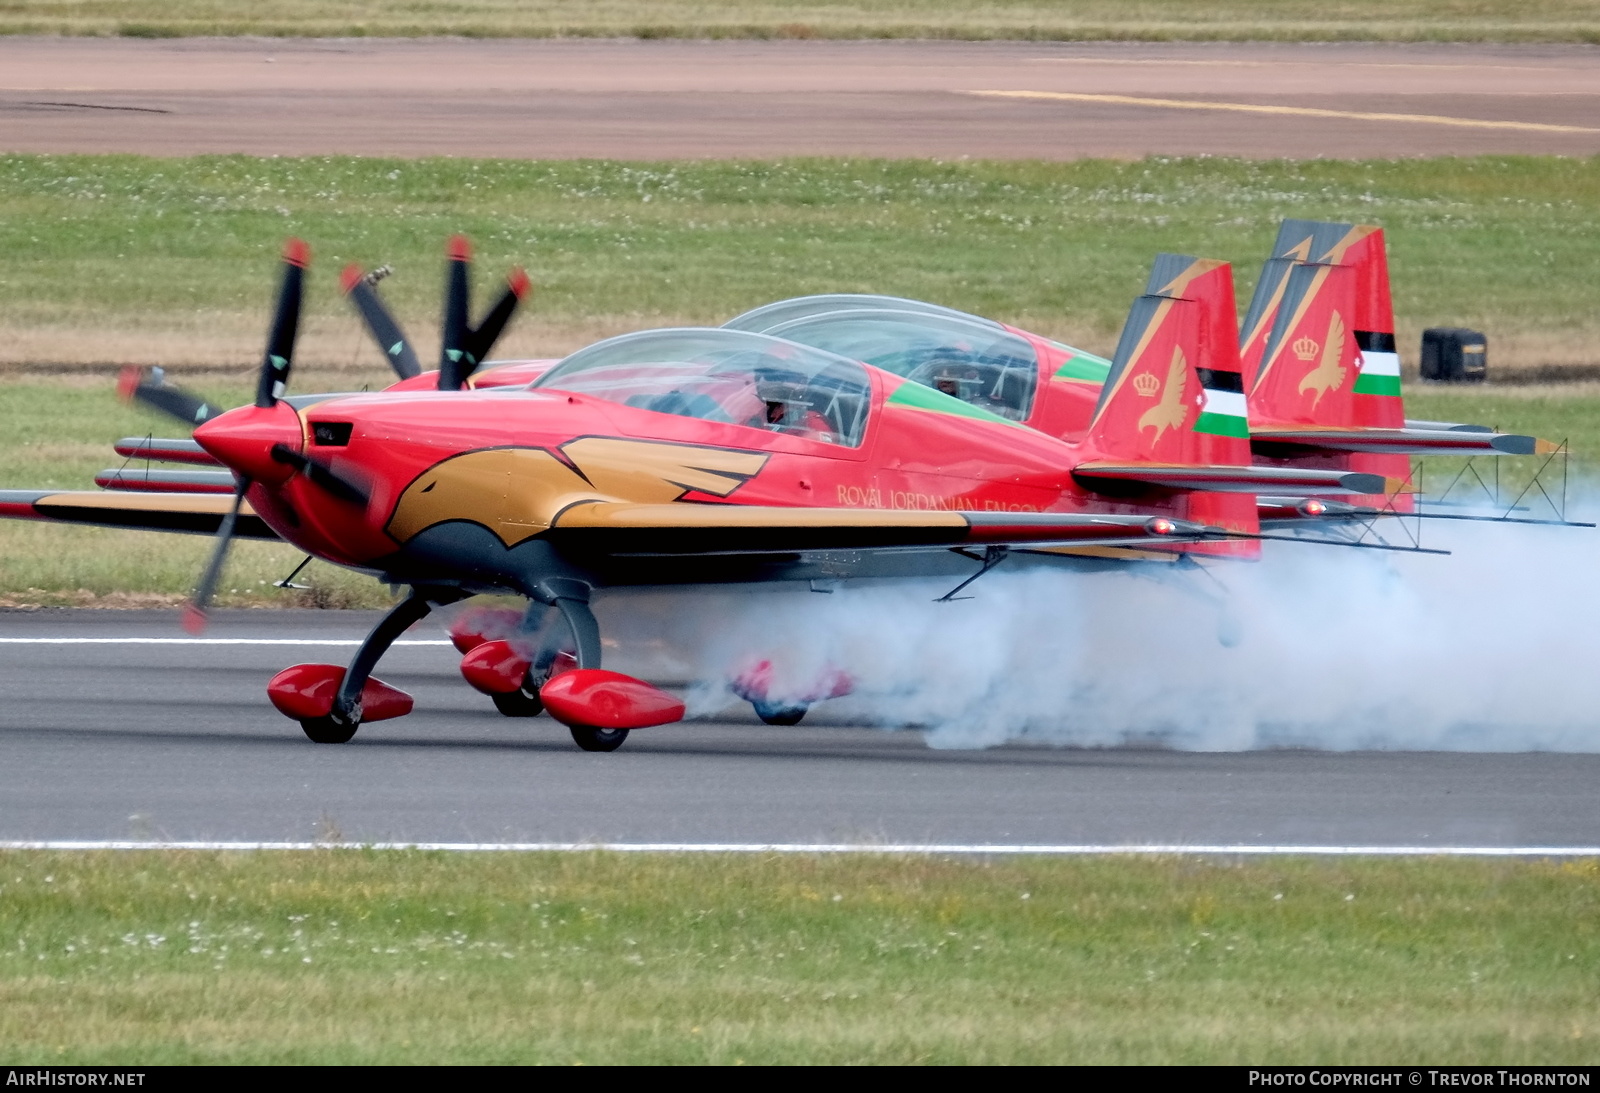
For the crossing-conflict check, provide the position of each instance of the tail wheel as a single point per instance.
(328, 729)
(780, 715)
(590, 738)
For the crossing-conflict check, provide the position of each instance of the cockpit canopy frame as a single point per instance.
(729, 376)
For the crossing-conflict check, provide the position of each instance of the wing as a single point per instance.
(620, 528)
(196, 513)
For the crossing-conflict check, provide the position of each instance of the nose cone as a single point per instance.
(243, 440)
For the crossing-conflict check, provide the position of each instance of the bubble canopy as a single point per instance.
(979, 362)
(763, 319)
(729, 376)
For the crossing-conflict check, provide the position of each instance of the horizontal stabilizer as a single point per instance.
(1408, 441)
(166, 451)
(1114, 478)
(157, 481)
(1452, 426)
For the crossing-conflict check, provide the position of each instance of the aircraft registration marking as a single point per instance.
(1291, 111)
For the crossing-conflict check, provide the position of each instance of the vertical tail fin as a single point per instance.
(1298, 241)
(1175, 393)
(1329, 358)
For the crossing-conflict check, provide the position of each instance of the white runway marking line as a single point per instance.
(1292, 111)
(206, 641)
(1061, 850)
(1159, 63)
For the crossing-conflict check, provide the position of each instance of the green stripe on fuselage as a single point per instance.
(918, 397)
(1084, 368)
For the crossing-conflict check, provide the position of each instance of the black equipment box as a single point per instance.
(1454, 355)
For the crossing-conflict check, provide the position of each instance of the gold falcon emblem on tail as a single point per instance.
(1328, 375)
(1171, 410)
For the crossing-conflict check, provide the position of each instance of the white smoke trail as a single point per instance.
(1490, 649)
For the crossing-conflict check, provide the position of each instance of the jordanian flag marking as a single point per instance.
(1380, 373)
(1223, 414)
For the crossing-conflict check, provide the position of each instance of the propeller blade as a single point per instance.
(482, 340)
(194, 612)
(361, 288)
(285, 324)
(453, 366)
(322, 475)
(152, 391)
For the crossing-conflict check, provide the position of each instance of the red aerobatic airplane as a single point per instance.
(682, 456)
(1315, 382)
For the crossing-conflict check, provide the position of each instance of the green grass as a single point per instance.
(365, 956)
(172, 261)
(1048, 20)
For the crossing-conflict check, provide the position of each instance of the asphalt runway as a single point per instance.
(106, 737)
(696, 99)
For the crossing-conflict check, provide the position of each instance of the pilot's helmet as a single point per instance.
(780, 391)
(958, 379)
(783, 392)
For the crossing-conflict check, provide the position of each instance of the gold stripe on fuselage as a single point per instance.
(614, 515)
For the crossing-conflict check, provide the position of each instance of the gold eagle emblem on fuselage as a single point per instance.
(519, 492)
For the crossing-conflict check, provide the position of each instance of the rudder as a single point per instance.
(1175, 393)
(1329, 360)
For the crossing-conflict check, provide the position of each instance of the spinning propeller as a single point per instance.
(239, 441)
(463, 346)
(153, 391)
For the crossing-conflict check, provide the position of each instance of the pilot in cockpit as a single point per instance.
(786, 409)
(951, 382)
(965, 381)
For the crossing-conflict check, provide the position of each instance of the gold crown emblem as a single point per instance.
(1306, 348)
(1146, 384)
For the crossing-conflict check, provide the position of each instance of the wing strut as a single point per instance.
(992, 556)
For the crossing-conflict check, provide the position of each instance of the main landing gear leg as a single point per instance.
(571, 599)
(585, 630)
(525, 700)
(341, 722)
